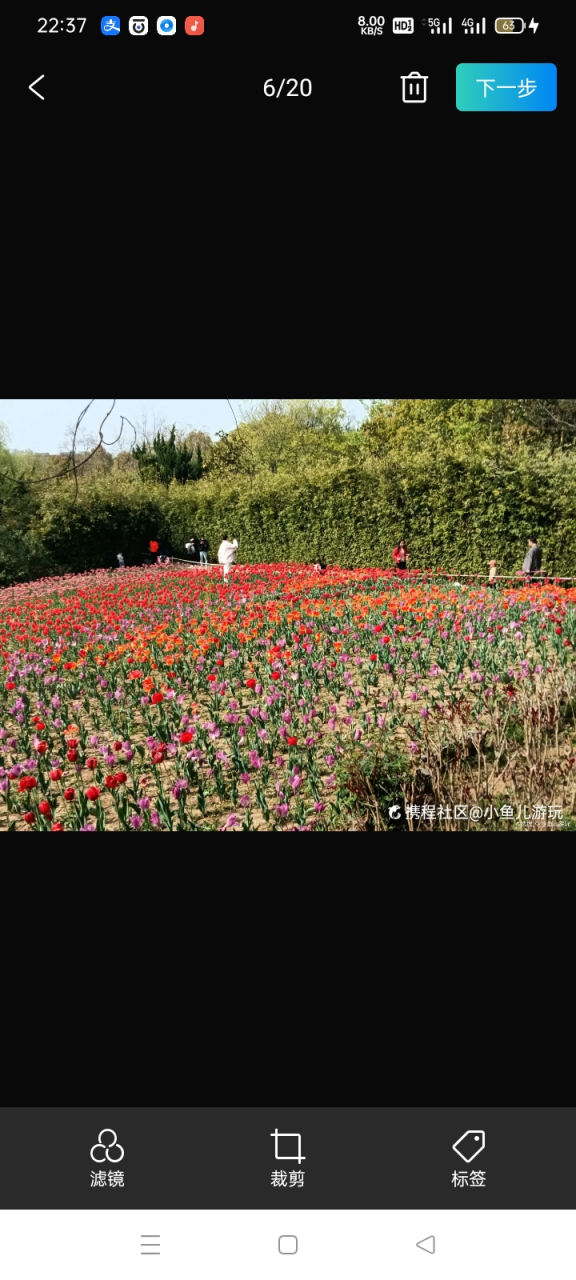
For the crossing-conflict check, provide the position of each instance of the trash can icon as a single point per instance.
(414, 87)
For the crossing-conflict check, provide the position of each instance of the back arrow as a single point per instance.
(31, 86)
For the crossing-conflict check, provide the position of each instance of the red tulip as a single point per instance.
(42, 747)
(26, 784)
(373, 657)
(121, 777)
(72, 756)
(250, 684)
(274, 675)
(292, 742)
(57, 826)
(69, 793)
(156, 697)
(55, 775)
(29, 818)
(117, 746)
(186, 737)
(110, 782)
(92, 763)
(92, 793)
(45, 809)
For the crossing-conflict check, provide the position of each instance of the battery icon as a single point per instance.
(509, 26)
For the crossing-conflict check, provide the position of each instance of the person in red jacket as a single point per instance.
(400, 554)
(153, 549)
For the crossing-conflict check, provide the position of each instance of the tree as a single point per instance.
(281, 435)
(393, 426)
(125, 461)
(232, 456)
(554, 420)
(98, 461)
(199, 439)
(168, 459)
(19, 506)
(397, 426)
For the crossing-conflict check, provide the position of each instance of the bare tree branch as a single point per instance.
(561, 423)
(71, 464)
(130, 424)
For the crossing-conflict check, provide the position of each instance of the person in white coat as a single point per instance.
(227, 554)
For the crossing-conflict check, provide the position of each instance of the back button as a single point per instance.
(33, 90)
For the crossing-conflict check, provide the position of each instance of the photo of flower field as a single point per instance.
(286, 700)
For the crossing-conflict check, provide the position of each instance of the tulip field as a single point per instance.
(353, 700)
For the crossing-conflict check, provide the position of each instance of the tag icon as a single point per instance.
(470, 1144)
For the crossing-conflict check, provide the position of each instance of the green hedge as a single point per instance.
(453, 512)
(106, 518)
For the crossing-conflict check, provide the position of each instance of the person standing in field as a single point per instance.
(153, 549)
(400, 554)
(532, 559)
(204, 549)
(492, 572)
(227, 554)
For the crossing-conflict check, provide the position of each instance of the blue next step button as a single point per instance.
(506, 86)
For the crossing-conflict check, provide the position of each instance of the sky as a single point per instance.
(41, 424)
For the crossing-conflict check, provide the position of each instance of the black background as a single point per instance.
(364, 1158)
(153, 158)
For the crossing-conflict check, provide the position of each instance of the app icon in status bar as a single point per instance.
(194, 26)
(506, 86)
(110, 26)
(166, 26)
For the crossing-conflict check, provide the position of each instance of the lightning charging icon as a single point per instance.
(534, 25)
